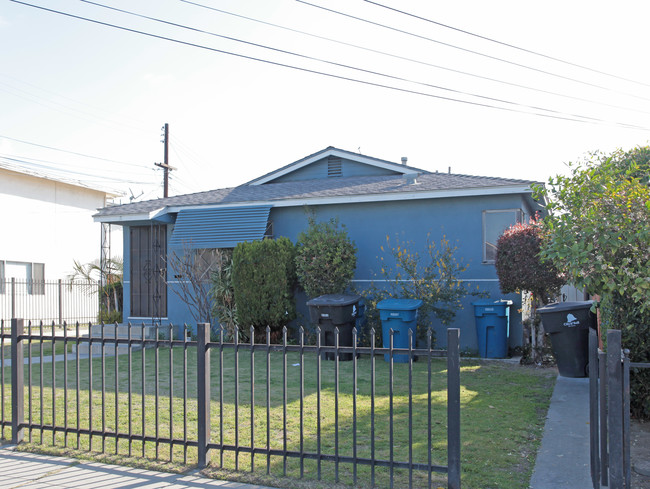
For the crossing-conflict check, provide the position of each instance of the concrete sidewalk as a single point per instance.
(563, 458)
(31, 471)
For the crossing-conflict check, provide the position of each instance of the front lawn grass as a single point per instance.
(503, 408)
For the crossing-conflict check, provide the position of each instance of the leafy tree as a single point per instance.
(598, 233)
(325, 259)
(520, 268)
(598, 229)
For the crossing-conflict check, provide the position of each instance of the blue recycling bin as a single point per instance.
(492, 322)
(400, 315)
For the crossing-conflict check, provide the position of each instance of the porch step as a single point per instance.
(112, 331)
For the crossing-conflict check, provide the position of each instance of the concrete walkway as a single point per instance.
(31, 471)
(563, 458)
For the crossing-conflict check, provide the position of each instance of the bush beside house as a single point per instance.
(433, 277)
(520, 269)
(263, 279)
(325, 258)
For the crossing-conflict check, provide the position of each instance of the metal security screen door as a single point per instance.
(148, 271)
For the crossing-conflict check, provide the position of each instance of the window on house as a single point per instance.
(29, 277)
(494, 223)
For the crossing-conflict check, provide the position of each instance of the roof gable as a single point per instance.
(334, 163)
(400, 183)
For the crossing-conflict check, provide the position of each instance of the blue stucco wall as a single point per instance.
(368, 224)
(459, 219)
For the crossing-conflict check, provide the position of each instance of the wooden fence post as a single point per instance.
(17, 379)
(594, 447)
(203, 381)
(615, 411)
(453, 408)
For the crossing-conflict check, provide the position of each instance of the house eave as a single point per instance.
(155, 215)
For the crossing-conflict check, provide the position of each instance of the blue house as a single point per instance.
(373, 198)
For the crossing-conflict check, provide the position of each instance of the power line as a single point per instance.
(58, 165)
(22, 161)
(529, 51)
(496, 58)
(421, 62)
(567, 117)
(67, 151)
(64, 109)
(340, 65)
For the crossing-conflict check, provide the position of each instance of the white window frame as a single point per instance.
(519, 216)
(35, 285)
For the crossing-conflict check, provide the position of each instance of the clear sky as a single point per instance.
(360, 77)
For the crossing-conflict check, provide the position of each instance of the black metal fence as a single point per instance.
(281, 408)
(609, 412)
(50, 301)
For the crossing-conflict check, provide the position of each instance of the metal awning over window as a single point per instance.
(219, 228)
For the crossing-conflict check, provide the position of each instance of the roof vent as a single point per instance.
(404, 160)
(410, 178)
(334, 167)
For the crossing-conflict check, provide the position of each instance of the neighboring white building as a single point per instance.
(46, 223)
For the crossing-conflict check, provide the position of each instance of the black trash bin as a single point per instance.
(332, 311)
(567, 324)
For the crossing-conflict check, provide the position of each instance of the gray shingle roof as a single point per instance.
(318, 189)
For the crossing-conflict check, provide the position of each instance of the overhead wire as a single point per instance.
(513, 46)
(62, 108)
(25, 163)
(417, 61)
(343, 65)
(139, 124)
(471, 51)
(561, 116)
(69, 152)
(68, 166)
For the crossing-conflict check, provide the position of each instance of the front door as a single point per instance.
(148, 271)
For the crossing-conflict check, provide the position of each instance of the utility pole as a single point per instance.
(165, 165)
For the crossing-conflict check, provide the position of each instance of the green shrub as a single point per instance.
(520, 268)
(616, 313)
(433, 277)
(263, 279)
(325, 258)
(109, 317)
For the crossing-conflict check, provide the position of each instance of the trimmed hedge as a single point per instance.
(263, 278)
